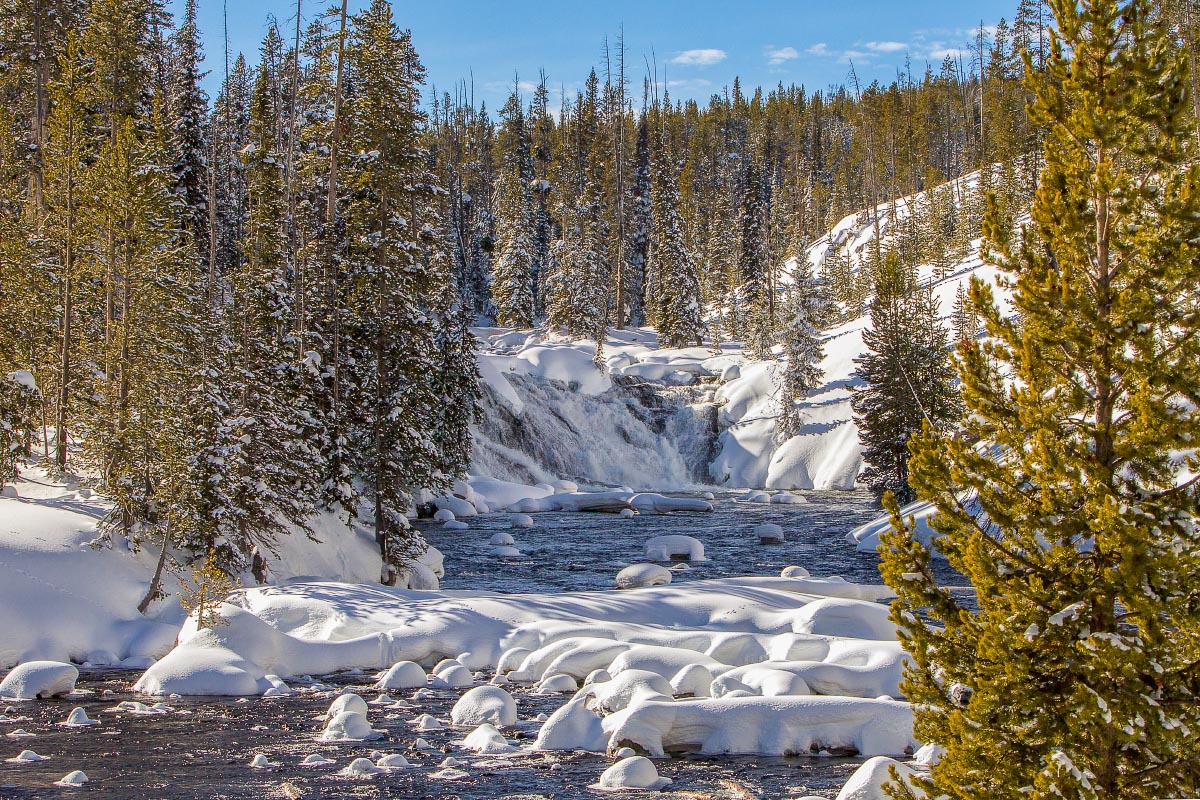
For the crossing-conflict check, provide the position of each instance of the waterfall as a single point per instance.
(638, 434)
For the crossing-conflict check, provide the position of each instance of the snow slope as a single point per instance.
(63, 600)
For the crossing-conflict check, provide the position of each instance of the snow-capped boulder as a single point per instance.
(558, 683)
(361, 768)
(456, 677)
(346, 702)
(666, 548)
(629, 687)
(489, 704)
(636, 772)
(486, 739)
(403, 675)
(648, 503)
(572, 727)
(794, 572)
(456, 505)
(693, 680)
(455, 525)
(35, 679)
(522, 521)
(868, 781)
(636, 576)
(788, 499)
(443, 515)
(27, 757)
(78, 718)
(769, 533)
(349, 726)
(72, 780)
(501, 539)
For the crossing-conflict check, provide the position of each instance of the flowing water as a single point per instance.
(202, 750)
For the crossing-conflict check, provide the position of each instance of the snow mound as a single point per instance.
(316, 760)
(72, 780)
(788, 499)
(260, 761)
(794, 572)
(765, 726)
(393, 761)
(628, 687)
(647, 503)
(403, 675)
(522, 521)
(501, 540)
(486, 739)
(636, 576)
(485, 704)
(443, 515)
(769, 532)
(349, 726)
(558, 683)
(636, 772)
(346, 702)
(572, 727)
(666, 548)
(35, 679)
(78, 718)
(455, 525)
(361, 768)
(694, 680)
(26, 757)
(868, 781)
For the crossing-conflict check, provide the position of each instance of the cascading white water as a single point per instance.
(644, 437)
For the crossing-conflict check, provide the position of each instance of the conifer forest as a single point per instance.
(287, 335)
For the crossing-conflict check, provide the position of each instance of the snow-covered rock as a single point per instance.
(72, 780)
(501, 539)
(349, 726)
(455, 525)
(769, 532)
(558, 683)
(35, 679)
(636, 772)
(487, 739)
(403, 675)
(78, 718)
(636, 576)
(868, 781)
(794, 572)
(361, 768)
(665, 548)
(26, 757)
(647, 503)
(457, 506)
(485, 704)
(522, 521)
(628, 687)
(572, 727)
(346, 702)
(788, 499)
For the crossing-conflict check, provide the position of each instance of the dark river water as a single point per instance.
(202, 749)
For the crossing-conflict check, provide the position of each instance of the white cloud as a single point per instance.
(778, 55)
(886, 47)
(704, 57)
(819, 49)
(691, 84)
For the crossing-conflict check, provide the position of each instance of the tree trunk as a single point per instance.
(156, 582)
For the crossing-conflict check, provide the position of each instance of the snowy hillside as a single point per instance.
(552, 413)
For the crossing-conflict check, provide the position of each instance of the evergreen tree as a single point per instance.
(752, 322)
(392, 287)
(18, 397)
(808, 308)
(189, 135)
(640, 228)
(907, 379)
(674, 281)
(1070, 502)
(512, 281)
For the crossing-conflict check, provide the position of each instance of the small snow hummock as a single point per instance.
(636, 576)
(35, 679)
(349, 726)
(453, 525)
(346, 702)
(788, 499)
(360, 768)
(260, 761)
(557, 684)
(455, 676)
(316, 760)
(27, 757)
(427, 722)
(572, 727)
(627, 513)
(868, 781)
(522, 521)
(487, 739)
(393, 761)
(403, 675)
(485, 704)
(72, 780)
(794, 572)
(636, 772)
(501, 539)
(769, 533)
(443, 515)
(78, 718)
(506, 552)
(666, 548)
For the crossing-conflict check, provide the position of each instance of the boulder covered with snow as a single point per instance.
(457, 506)
(35, 679)
(572, 727)
(349, 726)
(868, 781)
(522, 521)
(794, 572)
(485, 704)
(403, 675)
(674, 546)
(636, 772)
(647, 503)
(788, 499)
(636, 576)
(487, 740)
(769, 533)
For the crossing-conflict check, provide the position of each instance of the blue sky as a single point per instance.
(699, 45)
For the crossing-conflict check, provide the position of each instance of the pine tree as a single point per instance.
(1074, 515)
(393, 288)
(808, 308)
(640, 228)
(18, 397)
(675, 283)
(753, 321)
(907, 379)
(189, 136)
(512, 280)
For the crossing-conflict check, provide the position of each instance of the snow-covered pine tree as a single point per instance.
(964, 320)
(676, 284)
(188, 112)
(754, 285)
(808, 307)
(1070, 500)
(513, 270)
(907, 378)
(18, 400)
(392, 290)
(641, 226)
(273, 464)
(230, 129)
